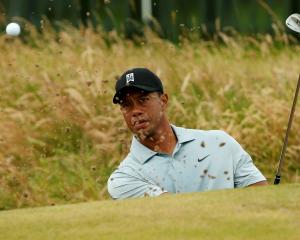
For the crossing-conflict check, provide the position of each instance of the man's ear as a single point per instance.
(164, 98)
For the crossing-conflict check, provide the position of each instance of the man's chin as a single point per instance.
(142, 134)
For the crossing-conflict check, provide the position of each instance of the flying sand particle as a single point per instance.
(212, 177)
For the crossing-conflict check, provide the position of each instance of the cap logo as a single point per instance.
(129, 78)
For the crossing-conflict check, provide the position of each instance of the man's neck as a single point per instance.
(164, 141)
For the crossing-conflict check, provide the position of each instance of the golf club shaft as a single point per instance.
(282, 154)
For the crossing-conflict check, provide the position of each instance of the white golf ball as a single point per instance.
(13, 29)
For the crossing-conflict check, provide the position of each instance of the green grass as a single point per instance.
(252, 213)
(61, 136)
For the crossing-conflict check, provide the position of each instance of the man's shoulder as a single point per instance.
(200, 133)
(218, 135)
(129, 160)
(212, 136)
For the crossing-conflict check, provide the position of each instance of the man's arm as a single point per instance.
(126, 183)
(261, 183)
(245, 172)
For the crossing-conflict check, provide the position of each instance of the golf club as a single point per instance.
(293, 23)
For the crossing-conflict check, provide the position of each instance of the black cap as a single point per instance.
(141, 78)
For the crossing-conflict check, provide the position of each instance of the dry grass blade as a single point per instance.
(57, 120)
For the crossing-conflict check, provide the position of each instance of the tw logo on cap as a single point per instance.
(129, 78)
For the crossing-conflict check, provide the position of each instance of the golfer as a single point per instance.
(164, 158)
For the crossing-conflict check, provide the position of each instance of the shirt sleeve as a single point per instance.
(126, 183)
(245, 172)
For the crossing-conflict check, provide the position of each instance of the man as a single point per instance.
(167, 159)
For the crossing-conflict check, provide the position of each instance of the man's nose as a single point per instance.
(136, 110)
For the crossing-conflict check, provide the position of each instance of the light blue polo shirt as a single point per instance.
(201, 161)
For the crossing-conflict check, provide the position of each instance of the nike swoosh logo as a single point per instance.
(200, 160)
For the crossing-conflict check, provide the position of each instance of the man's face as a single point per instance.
(143, 112)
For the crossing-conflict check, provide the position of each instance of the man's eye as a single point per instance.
(143, 99)
(124, 106)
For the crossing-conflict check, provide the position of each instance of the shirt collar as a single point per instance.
(183, 135)
(143, 153)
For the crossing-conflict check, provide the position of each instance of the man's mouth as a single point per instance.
(141, 124)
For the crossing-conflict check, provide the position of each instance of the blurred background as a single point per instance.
(170, 17)
(226, 64)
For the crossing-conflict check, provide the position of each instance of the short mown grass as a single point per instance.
(61, 136)
(252, 213)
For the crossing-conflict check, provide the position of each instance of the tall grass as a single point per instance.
(61, 136)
